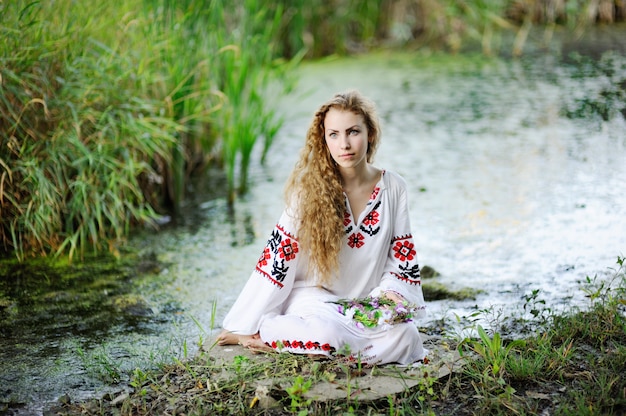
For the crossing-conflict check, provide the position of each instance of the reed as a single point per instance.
(104, 122)
(178, 70)
(76, 139)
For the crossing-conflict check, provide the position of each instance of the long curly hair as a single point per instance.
(314, 190)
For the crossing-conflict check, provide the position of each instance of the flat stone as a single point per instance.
(371, 383)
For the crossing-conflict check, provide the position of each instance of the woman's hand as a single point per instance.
(394, 296)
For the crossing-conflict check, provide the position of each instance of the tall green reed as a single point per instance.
(178, 72)
(247, 116)
(108, 110)
(77, 143)
(221, 60)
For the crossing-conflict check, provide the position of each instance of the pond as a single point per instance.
(516, 172)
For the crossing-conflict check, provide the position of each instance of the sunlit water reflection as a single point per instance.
(508, 194)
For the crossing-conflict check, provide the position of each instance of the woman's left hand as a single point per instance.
(394, 296)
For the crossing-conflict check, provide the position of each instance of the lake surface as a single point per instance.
(516, 172)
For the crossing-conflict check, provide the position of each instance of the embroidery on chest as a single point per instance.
(370, 222)
(367, 229)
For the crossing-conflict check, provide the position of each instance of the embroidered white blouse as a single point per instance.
(378, 255)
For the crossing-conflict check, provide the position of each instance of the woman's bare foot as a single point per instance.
(230, 338)
(255, 344)
(252, 342)
(227, 338)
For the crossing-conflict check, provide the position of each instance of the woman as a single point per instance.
(344, 234)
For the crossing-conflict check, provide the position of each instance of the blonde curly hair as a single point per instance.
(314, 190)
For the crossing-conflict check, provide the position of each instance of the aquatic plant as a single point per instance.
(77, 142)
(103, 123)
(492, 350)
(582, 349)
(296, 393)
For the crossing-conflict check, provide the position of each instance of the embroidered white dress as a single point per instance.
(293, 313)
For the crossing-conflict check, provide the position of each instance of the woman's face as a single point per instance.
(346, 137)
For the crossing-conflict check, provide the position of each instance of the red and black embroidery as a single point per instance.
(265, 256)
(369, 227)
(347, 221)
(370, 222)
(306, 346)
(288, 249)
(274, 242)
(283, 248)
(374, 195)
(404, 251)
(356, 240)
(279, 271)
(410, 273)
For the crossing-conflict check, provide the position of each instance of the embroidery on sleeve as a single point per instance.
(409, 273)
(283, 248)
(404, 251)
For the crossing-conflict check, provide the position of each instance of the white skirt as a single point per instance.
(311, 324)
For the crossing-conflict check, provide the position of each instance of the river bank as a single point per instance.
(566, 364)
(515, 170)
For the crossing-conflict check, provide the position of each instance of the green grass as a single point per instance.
(575, 360)
(569, 364)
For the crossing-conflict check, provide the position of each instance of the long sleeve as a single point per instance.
(401, 271)
(271, 281)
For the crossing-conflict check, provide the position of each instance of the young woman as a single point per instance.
(344, 234)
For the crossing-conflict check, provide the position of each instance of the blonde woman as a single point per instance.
(344, 234)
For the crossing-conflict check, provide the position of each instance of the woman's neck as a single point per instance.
(356, 178)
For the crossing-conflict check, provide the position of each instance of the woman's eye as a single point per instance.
(332, 135)
(354, 132)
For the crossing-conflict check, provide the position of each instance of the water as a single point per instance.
(516, 176)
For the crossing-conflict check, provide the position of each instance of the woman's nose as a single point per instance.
(345, 143)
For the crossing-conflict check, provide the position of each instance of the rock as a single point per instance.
(370, 383)
(427, 272)
(133, 305)
(119, 399)
(262, 397)
(437, 291)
